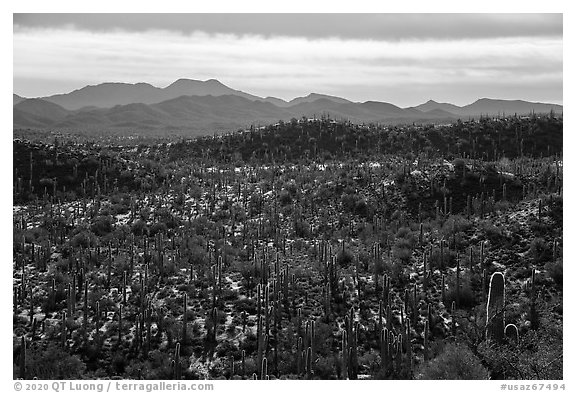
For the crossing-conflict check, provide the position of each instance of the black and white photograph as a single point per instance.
(286, 196)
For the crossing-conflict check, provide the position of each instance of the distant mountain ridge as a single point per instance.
(203, 107)
(107, 95)
(433, 105)
(488, 106)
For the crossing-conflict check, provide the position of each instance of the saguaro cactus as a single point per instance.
(63, 330)
(264, 369)
(309, 363)
(384, 343)
(176, 363)
(533, 315)
(495, 308)
(23, 358)
(184, 318)
(511, 332)
(457, 279)
(426, 327)
(120, 325)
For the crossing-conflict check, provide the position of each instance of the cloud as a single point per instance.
(346, 26)
(403, 72)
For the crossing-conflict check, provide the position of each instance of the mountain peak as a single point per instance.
(183, 81)
(188, 82)
(316, 96)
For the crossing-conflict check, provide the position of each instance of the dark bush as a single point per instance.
(467, 297)
(455, 362)
(556, 272)
(139, 227)
(102, 226)
(158, 227)
(540, 251)
(285, 198)
(53, 362)
(344, 258)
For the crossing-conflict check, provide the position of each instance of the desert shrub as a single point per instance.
(455, 225)
(522, 273)
(456, 361)
(139, 227)
(396, 270)
(50, 302)
(119, 363)
(229, 294)
(396, 215)
(83, 239)
(221, 317)
(405, 237)
(323, 338)
(540, 228)
(245, 304)
(285, 198)
(555, 271)
(539, 355)
(157, 367)
(555, 208)
(449, 258)
(255, 204)
(502, 206)
(227, 349)
(249, 344)
(325, 367)
(403, 254)
(467, 296)
(119, 208)
(231, 329)
(370, 362)
(35, 235)
(459, 166)
(348, 201)
(364, 259)
(378, 266)
(491, 232)
(102, 225)
(299, 245)
(158, 227)
(344, 258)
(539, 251)
(362, 208)
(53, 362)
(301, 228)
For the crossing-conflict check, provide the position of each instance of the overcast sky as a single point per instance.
(405, 59)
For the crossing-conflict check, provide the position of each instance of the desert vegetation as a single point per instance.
(309, 249)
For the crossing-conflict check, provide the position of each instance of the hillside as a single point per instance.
(312, 249)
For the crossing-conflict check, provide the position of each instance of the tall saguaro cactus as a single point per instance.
(184, 318)
(23, 358)
(495, 308)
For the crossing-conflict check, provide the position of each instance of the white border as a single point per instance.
(303, 6)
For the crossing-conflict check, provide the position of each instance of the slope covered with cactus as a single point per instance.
(306, 250)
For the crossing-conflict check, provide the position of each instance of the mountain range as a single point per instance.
(204, 107)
